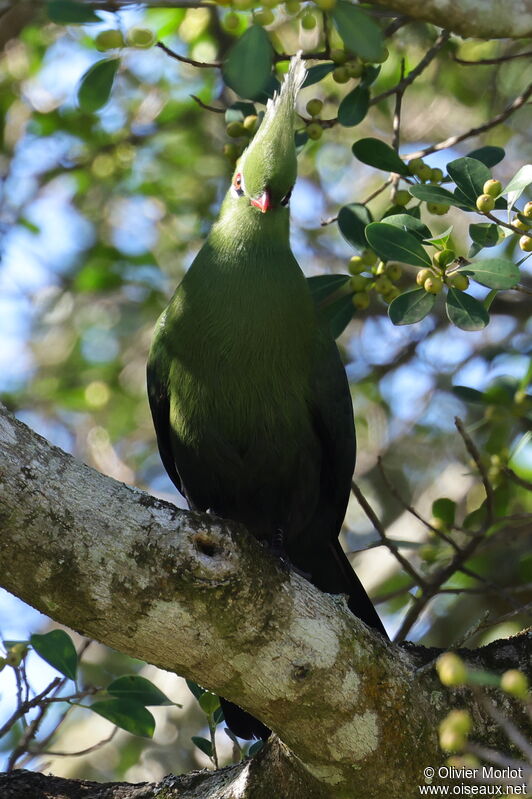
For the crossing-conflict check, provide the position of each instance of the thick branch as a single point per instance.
(484, 19)
(199, 596)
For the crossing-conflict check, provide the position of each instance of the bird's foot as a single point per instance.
(277, 546)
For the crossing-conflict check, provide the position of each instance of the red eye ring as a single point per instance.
(237, 182)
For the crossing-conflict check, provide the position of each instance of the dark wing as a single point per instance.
(334, 427)
(157, 380)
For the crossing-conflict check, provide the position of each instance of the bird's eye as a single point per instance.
(286, 198)
(237, 184)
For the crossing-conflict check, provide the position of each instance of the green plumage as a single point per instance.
(249, 398)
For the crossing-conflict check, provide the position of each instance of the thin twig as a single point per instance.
(515, 477)
(191, 61)
(473, 451)
(208, 107)
(452, 140)
(81, 752)
(390, 544)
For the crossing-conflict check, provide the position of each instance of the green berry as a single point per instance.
(438, 209)
(308, 21)
(525, 242)
(514, 682)
(492, 187)
(369, 258)
(383, 56)
(340, 74)
(460, 282)
(383, 285)
(433, 285)
(389, 296)
(314, 131)
(270, 3)
(355, 69)
(325, 5)
(109, 40)
(401, 197)
(358, 283)
(292, 6)
(451, 669)
(436, 175)
(361, 300)
(264, 16)
(460, 721)
(235, 129)
(231, 151)
(485, 203)
(414, 165)
(443, 258)
(242, 5)
(356, 265)
(527, 210)
(231, 21)
(314, 107)
(140, 37)
(338, 56)
(424, 172)
(451, 741)
(423, 275)
(393, 271)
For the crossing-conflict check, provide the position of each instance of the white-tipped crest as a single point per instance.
(293, 81)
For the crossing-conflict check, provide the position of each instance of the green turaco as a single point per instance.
(249, 397)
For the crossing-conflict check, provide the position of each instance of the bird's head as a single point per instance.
(266, 172)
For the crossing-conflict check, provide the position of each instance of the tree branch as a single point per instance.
(175, 588)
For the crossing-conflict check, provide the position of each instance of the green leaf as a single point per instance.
(128, 715)
(195, 689)
(442, 239)
(354, 107)
(469, 394)
(203, 744)
(465, 311)
(352, 221)
(517, 185)
(96, 84)
(495, 273)
(434, 194)
(254, 748)
(410, 223)
(67, 11)
(209, 703)
(218, 715)
(377, 153)
(139, 689)
(359, 33)
(338, 314)
(489, 155)
(317, 73)
(393, 243)
(485, 234)
(444, 509)
(300, 139)
(371, 73)
(239, 111)
(411, 307)
(248, 68)
(57, 649)
(469, 176)
(323, 286)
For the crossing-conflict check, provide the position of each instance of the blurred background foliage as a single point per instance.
(101, 213)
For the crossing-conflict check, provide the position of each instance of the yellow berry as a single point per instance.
(308, 21)
(356, 265)
(314, 107)
(358, 283)
(424, 172)
(235, 129)
(460, 282)
(527, 210)
(314, 131)
(355, 69)
(325, 5)
(361, 300)
(109, 40)
(250, 123)
(393, 271)
(460, 721)
(485, 203)
(438, 209)
(140, 37)
(492, 187)
(525, 242)
(381, 268)
(451, 669)
(423, 275)
(292, 6)
(383, 285)
(514, 682)
(338, 56)
(433, 285)
(520, 225)
(231, 21)
(451, 741)
(390, 295)
(369, 258)
(340, 74)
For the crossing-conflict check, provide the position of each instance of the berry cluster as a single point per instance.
(380, 277)
(433, 278)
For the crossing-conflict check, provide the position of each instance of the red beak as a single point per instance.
(263, 202)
